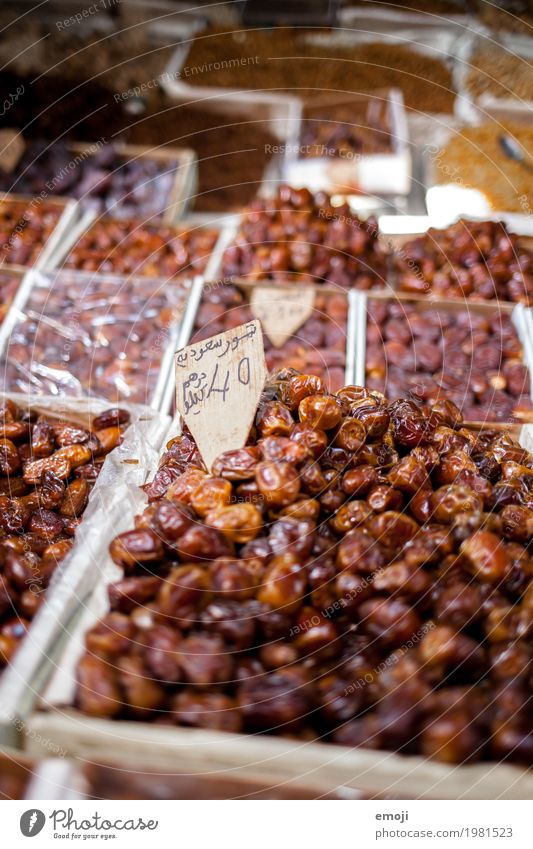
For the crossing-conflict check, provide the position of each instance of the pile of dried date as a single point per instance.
(473, 359)
(25, 227)
(480, 260)
(359, 573)
(136, 246)
(298, 237)
(47, 470)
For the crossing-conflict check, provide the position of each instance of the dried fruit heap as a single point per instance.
(478, 260)
(25, 228)
(47, 470)
(473, 359)
(298, 237)
(360, 573)
(136, 246)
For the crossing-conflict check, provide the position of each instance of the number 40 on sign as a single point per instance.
(218, 385)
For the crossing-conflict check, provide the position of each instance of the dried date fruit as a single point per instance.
(41, 506)
(363, 575)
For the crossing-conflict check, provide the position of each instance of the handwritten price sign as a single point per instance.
(218, 385)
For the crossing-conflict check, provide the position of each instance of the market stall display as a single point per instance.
(27, 226)
(135, 246)
(108, 178)
(317, 346)
(287, 60)
(474, 158)
(233, 148)
(354, 144)
(53, 107)
(119, 62)
(302, 238)
(342, 510)
(340, 605)
(472, 357)
(499, 71)
(478, 260)
(347, 127)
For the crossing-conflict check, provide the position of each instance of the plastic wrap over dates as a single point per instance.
(360, 573)
(93, 334)
(102, 177)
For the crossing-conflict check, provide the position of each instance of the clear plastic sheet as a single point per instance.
(100, 176)
(103, 336)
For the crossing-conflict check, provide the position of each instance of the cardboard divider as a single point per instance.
(202, 285)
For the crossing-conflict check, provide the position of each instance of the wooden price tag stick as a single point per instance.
(218, 385)
(12, 146)
(281, 311)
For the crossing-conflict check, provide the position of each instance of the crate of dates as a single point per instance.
(354, 144)
(478, 356)
(468, 261)
(101, 335)
(352, 584)
(297, 237)
(124, 181)
(145, 248)
(317, 346)
(32, 228)
(70, 469)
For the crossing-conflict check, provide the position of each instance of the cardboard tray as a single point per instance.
(279, 112)
(521, 317)
(395, 231)
(185, 176)
(32, 279)
(225, 225)
(476, 109)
